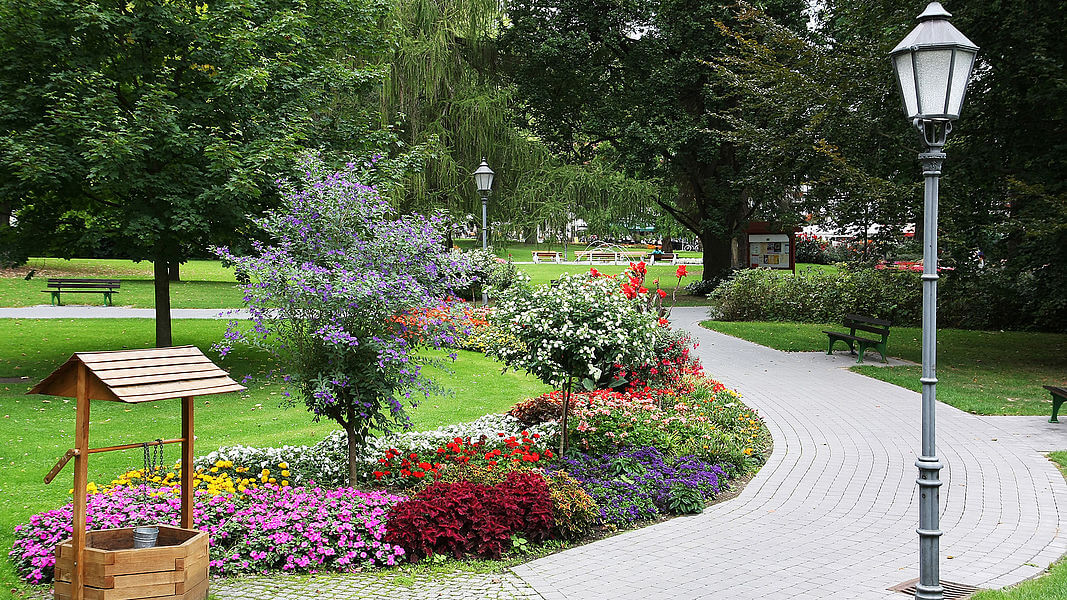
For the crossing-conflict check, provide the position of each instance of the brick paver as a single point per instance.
(386, 585)
(833, 513)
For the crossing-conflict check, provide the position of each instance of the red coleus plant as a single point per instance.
(470, 518)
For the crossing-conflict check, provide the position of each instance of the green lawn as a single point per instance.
(983, 372)
(204, 284)
(37, 430)
(521, 251)
(207, 284)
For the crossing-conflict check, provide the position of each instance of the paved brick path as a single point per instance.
(833, 513)
(387, 585)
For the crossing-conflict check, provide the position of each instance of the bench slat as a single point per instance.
(866, 319)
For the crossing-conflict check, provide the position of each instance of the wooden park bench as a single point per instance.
(57, 286)
(1058, 396)
(596, 256)
(632, 256)
(541, 256)
(663, 257)
(865, 324)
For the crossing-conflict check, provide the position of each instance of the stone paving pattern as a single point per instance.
(833, 513)
(377, 586)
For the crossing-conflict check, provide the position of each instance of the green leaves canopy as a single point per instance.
(157, 125)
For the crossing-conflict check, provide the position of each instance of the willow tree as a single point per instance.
(442, 83)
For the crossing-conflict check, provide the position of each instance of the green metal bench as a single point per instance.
(864, 324)
(1058, 396)
(58, 286)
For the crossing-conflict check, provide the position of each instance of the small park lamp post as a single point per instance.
(933, 65)
(483, 178)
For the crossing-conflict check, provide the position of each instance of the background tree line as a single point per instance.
(151, 129)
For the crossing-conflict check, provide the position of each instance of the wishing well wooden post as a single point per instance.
(177, 567)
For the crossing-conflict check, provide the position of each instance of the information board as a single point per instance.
(770, 250)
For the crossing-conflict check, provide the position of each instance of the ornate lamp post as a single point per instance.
(933, 65)
(483, 178)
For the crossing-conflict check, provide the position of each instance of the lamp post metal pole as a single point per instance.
(485, 243)
(929, 585)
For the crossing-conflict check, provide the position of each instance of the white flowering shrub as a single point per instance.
(580, 327)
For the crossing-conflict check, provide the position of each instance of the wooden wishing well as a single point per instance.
(103, 564)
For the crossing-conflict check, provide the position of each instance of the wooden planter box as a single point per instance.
(177, 568)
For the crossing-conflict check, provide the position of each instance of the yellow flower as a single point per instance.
(285, 473)
(214, 469)
(273, 480)
(283, 465)
(284, 483)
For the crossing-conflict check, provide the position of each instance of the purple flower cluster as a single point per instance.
(264, 529)
(635, 484)
(330, 292)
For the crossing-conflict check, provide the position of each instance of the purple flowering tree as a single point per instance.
(329, 293)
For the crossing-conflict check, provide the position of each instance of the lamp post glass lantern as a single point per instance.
(483, 179)
(933, 65)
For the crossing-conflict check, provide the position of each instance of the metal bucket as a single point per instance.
(145, 537)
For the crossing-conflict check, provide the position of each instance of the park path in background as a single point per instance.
(834, 511)
(45, 311)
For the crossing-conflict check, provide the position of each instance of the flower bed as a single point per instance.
(467, 489)
(641, 484)
(270, 528)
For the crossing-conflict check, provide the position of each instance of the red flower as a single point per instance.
(662, 294)
(681, 272)
(594, 272)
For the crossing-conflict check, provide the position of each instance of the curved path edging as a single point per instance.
(833, 513)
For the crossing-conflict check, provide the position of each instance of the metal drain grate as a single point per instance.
(953, 591)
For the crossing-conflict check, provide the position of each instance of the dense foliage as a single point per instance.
(996, 297)
(327, 292)
(634, 83)
(465, 517)
(150, 130)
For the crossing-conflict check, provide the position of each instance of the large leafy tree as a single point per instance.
(443, 90)
(820, 110)
(637, 80)
(156, 125)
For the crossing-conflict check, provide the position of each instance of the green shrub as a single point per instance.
(993, 298)
(818, 297)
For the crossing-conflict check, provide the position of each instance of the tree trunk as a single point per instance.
(353, 453)
(161, 274)
(564, 442)
(174, 270)
(668, 244)
(448, 239)
(718, 256)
